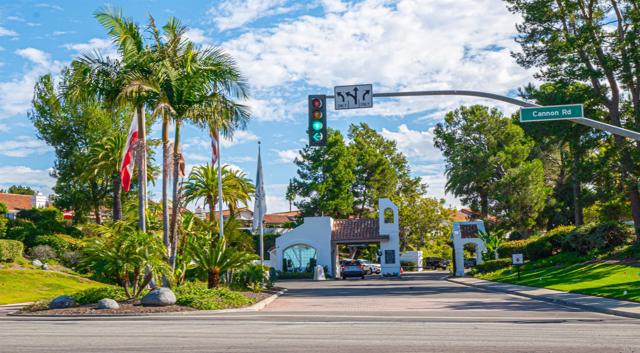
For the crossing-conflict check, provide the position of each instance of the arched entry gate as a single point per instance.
(466, 233)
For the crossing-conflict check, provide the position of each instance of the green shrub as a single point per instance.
(43, 252)
(600, 237)
(251, 274)
(3, 226)
(294, 275)
(93, 295)
(54, 241)
(10, 250)
(493, 265)
(197, 296)
(513, 246)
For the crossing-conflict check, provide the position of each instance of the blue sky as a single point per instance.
(287, 49)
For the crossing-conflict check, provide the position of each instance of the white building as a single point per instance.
(316, 241)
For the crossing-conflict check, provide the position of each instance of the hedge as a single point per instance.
(599, 236)
(10, 250)
(493, 265)
(549, 244)
(513, 246)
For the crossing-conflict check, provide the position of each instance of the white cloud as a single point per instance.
(270, 109)
(62, 33)
(415, 144)
(101, 45)
(286, 156)
(23, 146)
(4, 127)
(197, 36)
(23, 175)
(236, 13)
(49, 6)
(16, 94)
(5, 32)
(34, 55)
(239, 137)
(333, 6)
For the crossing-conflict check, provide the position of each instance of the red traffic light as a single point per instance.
(316, 103)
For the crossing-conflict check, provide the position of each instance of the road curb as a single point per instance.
(182, 314)
(569, 303)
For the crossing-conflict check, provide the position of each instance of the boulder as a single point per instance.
(159, 297)
(36, 263)
(62, 302)
(45, 267)
(107, 303)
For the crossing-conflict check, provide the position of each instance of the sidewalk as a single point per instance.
(581, 301)
(10, 308)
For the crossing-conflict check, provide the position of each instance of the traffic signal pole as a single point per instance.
(616, 130)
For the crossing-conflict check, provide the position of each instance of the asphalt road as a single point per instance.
(416, 314)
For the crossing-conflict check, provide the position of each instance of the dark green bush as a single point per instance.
(10, 250)
(251, 274)
(93, 295)
(549, 244)
(3, 226)
(493, 265)
(599, 237)
(294, 275)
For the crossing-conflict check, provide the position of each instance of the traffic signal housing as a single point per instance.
(317, 120)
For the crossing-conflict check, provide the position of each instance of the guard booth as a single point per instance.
(316, 241)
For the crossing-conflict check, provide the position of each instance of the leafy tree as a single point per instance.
(379, 169)
(20, 190)
(425, 223)
(71, 127)
(325, 176)
(202, 183)
(590, 41)
(486, 163)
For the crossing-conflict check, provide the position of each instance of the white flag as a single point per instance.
(260, 206)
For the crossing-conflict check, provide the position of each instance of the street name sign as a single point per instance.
(551, 113)
(517, 259)
(353, 97)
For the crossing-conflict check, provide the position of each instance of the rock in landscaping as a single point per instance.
(45, 267)
(107, 303)
(36, 263)
(62, 302)
(159, 297)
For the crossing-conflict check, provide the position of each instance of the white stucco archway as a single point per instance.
(466, 233)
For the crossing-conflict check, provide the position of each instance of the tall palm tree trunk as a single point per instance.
(176, 196)
(142, 170)
(165, 182)
(117, 197)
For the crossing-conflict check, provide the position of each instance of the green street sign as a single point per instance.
(551, 113)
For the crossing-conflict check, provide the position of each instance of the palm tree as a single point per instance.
(202, 183)
(136, 62)
(104, 161)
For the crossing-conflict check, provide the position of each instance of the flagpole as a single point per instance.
(261, 219)
(220, 187)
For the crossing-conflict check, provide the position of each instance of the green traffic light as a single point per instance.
(317, 125)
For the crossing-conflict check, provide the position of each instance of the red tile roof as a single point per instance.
(356, 230)
(16, 202)
(280, 217)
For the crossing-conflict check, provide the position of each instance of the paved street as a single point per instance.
(417, 314)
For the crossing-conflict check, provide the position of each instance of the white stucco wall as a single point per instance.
(314, 232)
(393, 244)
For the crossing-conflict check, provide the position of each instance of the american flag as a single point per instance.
(214, 146)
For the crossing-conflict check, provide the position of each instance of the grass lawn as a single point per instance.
(600, 279)
(27, 285)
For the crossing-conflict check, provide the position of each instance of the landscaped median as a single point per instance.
(190, 297)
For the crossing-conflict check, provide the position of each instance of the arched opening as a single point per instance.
(471, 254)
(388, 215)
(299, 258)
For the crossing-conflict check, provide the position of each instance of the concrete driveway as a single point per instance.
(420, 313)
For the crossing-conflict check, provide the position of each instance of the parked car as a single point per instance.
(469, 263)
(370, 267)
(352, 268)
(435, 263)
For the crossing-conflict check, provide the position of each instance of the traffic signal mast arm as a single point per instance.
(582, 120)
